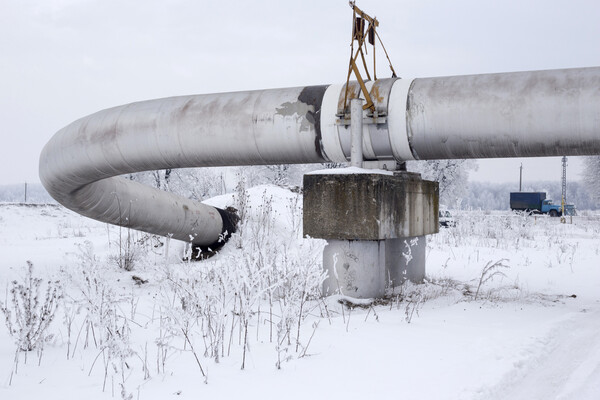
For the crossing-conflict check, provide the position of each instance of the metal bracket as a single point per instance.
(359, 35)
(371, 119)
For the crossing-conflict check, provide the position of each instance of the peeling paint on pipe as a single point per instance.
(517, 114)
(521, 114)
(81, 164)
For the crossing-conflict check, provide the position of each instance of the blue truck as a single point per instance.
(536, 202)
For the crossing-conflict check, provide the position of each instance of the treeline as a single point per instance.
(36, 193)
(495, 196)
(479, 195)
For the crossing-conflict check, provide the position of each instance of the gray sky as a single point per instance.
(63, 59)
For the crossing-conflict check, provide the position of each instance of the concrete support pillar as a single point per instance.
(366, 268)
(405, 260)
(375, 224)
(355, 268)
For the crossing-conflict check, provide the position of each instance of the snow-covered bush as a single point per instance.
(128, 252)
(103, 322)
(29, 313)
(488, 273)
(94, 294)
(266, 280)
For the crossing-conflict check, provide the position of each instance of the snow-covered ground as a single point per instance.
(530, 330)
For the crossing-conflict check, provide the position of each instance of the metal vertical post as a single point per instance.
(564, 179)
(521, 178)
(356, 129)
(564, 190)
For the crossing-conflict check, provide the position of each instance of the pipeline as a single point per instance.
(520, 114)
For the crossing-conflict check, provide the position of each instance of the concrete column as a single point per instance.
(356, 129)
(375, 225)
(405, 260)
(355, 268)
(366, 268)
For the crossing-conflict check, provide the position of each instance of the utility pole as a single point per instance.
(25, 192)
(520, 177)
(564, 189)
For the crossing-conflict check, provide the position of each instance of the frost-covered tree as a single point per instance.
(36, 193)
(496, 195)
(198, 183)
(591, 175)
(193, 183)
(203, 183)
(452, 176)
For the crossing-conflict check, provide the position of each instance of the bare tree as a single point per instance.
(452, 175)
(591, 174)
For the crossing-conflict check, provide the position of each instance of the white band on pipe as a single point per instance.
(399, 135)
(330, 139)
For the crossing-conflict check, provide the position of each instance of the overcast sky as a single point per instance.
(64, 59)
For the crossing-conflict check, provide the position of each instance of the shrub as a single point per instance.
(29, 315)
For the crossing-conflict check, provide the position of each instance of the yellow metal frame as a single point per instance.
(358, 34)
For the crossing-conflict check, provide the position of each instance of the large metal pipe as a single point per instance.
(522, 114)
(518, 114)
(80, 165)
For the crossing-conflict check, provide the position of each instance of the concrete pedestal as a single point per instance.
(355, 268)
(405, 260)
(366, 268)
(375, 225)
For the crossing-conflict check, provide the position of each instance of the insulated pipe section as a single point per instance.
(80, 165)
(521, 114)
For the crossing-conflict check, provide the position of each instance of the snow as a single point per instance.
(532, 333)
(350, 170)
